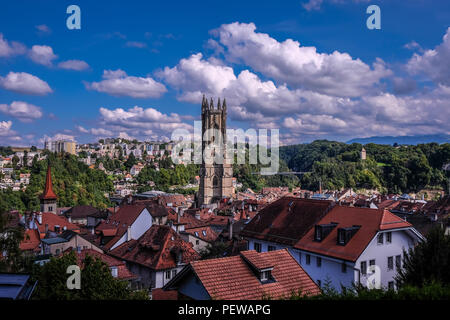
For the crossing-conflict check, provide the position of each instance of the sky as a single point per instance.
(139, 69)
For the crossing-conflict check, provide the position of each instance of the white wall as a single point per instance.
(142, 223)
(401, 240)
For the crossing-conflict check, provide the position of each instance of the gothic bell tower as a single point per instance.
(216, 177)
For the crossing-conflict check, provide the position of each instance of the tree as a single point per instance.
(131, 161)
(428, 262)
(214, 250)
(15, 160)
(10, 238)
(97, 283)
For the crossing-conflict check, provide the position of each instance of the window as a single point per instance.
(197, 242)
(363, 267)
(257, 247)
(398, 262)
(391, 285)
(174, 273)
(341, 237)
(372, 263)
(271, 248)
(344, 268)
(308, 259)
(57, 251)
(204, 233)
(318, 233)
(196, 233)
(389, 237)
(50, 208)
(319, 262)
(265, 275)
(390, 263)
(168, 274)
(381, 238)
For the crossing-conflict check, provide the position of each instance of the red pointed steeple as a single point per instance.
(48, 190)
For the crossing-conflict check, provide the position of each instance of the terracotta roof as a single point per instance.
(286, 220)
(160, 294)
(122, 270)
(370, 221)
(81, 211)
(204, 233)
(233, 278)
(52, 220)
(156, 249)
(31, 240)
(48, 190)
(117, 224)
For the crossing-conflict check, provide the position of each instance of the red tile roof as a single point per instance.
(286, 220)
(209, 236)
(232, 278)
(122, 270)
(160, 294)
(52, 220)
(31, 240)
(370, 221)
(156, 249)
(118, 223)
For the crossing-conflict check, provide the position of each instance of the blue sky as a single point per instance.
(138, 68)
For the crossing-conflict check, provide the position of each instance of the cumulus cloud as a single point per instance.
(23, 111)
(9, 49)
(26, 83)
(7, 135)
(42, 55)
(118, 83)
(299, 66)
(434, 63)
(77, 65)
(313, 5)
(99, 132)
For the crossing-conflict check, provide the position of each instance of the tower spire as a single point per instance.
(48, 190)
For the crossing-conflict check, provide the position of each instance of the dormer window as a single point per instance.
(323, 230)
(345, 234)
(265, 275)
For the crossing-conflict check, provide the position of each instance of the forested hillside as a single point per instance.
(387, 168)
(73, 182)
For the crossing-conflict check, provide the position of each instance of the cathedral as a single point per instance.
(216, 177)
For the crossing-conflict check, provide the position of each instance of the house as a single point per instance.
(200, 237)
(156, 256)
(343, 247)
(31, 242)
(55, 244)
(247, 276)
(130, 222)
(79, 214)
(282, 223)
(45, 222)
(136, 169)
(118, 268)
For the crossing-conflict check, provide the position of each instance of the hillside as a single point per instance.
(387, 168)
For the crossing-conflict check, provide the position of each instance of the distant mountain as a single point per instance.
(412, 140)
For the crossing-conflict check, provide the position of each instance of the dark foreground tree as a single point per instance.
(428, 262)
(11, 257)
(97, 283)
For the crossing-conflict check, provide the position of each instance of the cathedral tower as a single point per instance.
(216, 179)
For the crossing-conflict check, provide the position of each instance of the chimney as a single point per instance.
(129, 233)
(46, 228)
(230, 229)
(39, 217)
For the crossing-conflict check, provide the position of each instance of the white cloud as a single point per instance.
(9, 49)
(77, 65)
(23, 111)
(313, 5)
(298, 66)
(434, 63)
(118, 83)
(8, 136)
(26, 83)
(42, 55)
(135, 44)
(96, 131)
(43, 29)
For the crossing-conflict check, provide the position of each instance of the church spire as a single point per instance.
(48, 190)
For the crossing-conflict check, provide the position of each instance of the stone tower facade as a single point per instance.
(216, 179)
